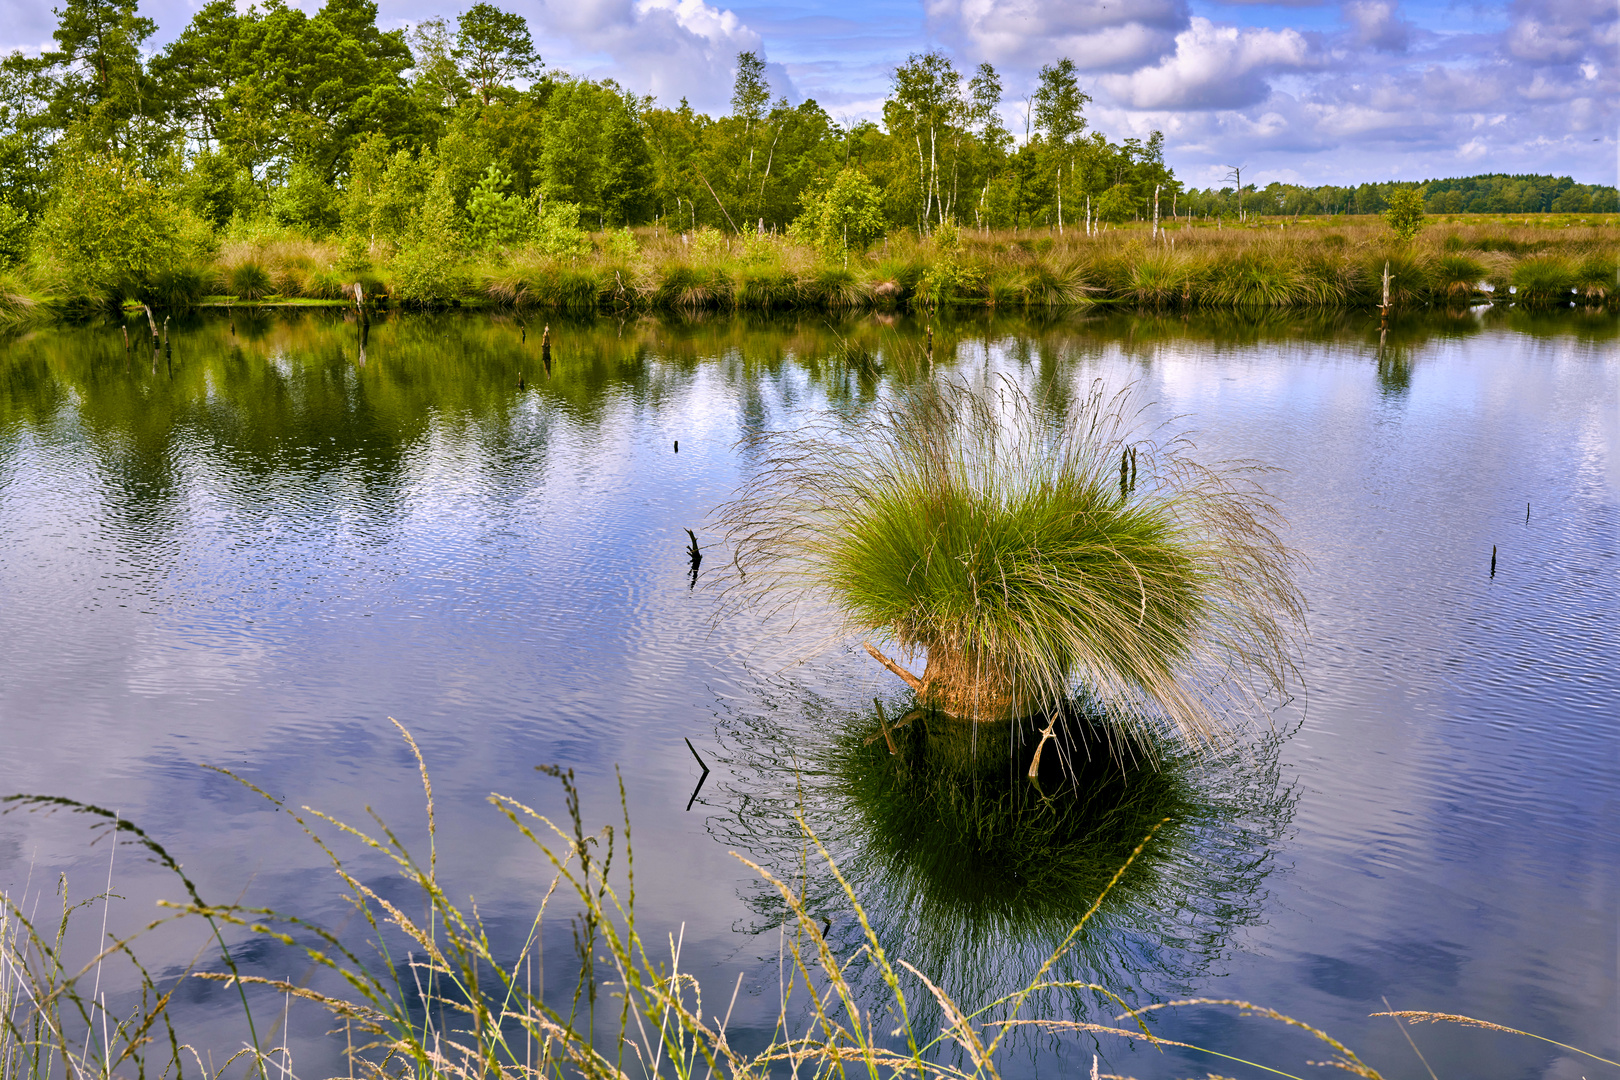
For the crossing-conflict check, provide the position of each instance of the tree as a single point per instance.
(1405, 212)
(495, 218)
(436, 78)
(197, 67)
(750, 93)
(627, 170)
(493, 48)
(1116, 206)
(846, 214)
(925, 105)
(1059, 105)
(112, 231)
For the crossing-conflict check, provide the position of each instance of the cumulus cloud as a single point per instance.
(668, 48)
(1213, 67)
(1377, 24)
(1098, 35)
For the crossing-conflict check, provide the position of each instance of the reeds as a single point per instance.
(1023, 553)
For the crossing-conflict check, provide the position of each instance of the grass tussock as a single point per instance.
(1022, 553)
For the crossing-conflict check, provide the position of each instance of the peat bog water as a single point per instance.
(253, 553)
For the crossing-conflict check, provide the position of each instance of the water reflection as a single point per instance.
(975, 873)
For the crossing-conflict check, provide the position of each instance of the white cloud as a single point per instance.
(1378, 25)
(1214, 67)
(1098, 35)
(668, 48)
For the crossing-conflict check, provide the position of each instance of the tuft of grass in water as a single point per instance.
(1598, 276)
(1544, 280)
(1022, 553)
(249, 280)
(1253, 278)
(1457, 276)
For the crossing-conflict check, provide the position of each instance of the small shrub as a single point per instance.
(842, 216)
(113, 232)
(556, 231)
(618, 245)
(1405, 212)
(707, 243)
(496, 219)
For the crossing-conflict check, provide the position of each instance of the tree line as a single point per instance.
(1492, 193)
(327, 123)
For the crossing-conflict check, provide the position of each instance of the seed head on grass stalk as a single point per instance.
(1012, 548)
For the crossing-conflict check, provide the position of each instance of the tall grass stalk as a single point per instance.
(1022, 552)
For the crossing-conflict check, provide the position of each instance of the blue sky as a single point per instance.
(1309, 91)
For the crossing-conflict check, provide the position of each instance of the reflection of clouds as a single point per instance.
(507, 580)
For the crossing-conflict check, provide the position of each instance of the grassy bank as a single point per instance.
(1275, 263)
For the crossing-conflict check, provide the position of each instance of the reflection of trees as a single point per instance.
(974, 874)
(281, 398)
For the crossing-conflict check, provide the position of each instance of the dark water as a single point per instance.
(254, 555)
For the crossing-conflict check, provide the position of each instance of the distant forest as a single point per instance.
(1490, 193)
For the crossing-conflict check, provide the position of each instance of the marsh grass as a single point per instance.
(437, 1001)
(1022, 552)
(1327, 264)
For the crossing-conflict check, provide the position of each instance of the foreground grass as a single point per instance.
(1270, 263)
(437, 1002)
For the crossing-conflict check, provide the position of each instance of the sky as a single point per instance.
(1302, 91)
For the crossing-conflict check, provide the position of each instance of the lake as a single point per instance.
(253, 552)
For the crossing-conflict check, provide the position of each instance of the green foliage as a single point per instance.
(1059, 103)
(627, 170)
(618, 244)
(113, 233)
(217, 188)
(842, 216)
(1116, 206)
(557, 231)
(427, 270)
(305, 202)
(1405, 213)
(14, 230)
(707, 244)
(496, 219)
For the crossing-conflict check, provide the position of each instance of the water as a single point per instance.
(252, 554)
